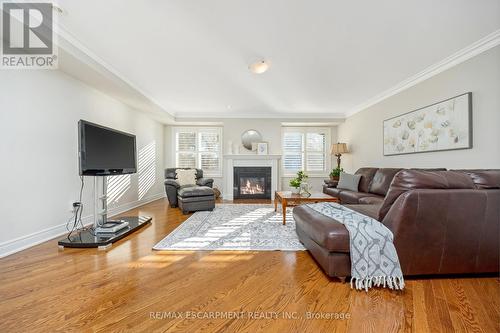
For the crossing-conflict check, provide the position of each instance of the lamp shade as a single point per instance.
(339, 148)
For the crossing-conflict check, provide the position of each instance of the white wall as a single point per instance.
(480, 75)
(39, 111)
(270, 129)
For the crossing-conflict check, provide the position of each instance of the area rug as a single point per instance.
(233, 227)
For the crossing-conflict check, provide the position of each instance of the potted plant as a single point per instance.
(295, 182)
(335, 174)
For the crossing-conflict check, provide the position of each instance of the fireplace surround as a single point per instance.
(232, 161)
(252, 183)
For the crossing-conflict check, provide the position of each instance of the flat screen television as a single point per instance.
(105, 151)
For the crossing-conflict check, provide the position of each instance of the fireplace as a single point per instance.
(252, 183)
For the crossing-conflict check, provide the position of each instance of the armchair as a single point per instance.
(172, 187)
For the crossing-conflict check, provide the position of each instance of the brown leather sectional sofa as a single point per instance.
(444, 222)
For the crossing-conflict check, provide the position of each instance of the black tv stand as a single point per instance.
(88, 238)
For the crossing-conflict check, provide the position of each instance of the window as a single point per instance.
(305, 148)
(199, 147)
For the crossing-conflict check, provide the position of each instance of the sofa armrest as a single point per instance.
(331, 183)
(446, 231)
(205, 182)
(172, 182)
(171, 187)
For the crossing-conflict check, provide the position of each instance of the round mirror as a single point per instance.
(249, 137)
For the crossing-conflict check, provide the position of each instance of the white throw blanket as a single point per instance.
(374, 260)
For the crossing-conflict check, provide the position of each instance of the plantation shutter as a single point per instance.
(315, 152)
(209, 149)
(293, 151)
(199, 147)
(186, 148)
(306, 148)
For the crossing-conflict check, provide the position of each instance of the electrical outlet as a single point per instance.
(74, 206)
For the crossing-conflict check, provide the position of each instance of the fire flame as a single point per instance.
(251, 188)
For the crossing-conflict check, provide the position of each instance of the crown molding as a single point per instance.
(476, 48)
(77, 49)
(179, 116)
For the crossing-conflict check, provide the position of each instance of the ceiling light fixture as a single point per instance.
(259, 67)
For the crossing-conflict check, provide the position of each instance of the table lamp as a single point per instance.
(338, 149)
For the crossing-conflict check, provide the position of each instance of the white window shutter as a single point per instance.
(210, 161)
(199, 147)
(186, 160)
(293, 151)
(186, 141)
(315, 161)
(305, 149)
(209, 141)
(316, 142)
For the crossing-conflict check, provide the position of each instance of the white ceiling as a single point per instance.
(328, 57)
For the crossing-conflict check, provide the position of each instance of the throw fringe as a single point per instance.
(393, 282)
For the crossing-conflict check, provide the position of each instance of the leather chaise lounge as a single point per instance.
(444, 222)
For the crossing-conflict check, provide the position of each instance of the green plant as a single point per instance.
(295, 182)
(336, 172)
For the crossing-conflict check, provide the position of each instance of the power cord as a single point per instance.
(77, 213)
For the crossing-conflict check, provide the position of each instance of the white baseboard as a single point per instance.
(24, 242)
(134, 204)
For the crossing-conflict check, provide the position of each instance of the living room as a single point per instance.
(250, 166)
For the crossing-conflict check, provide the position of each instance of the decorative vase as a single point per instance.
(305, 189)
(295, 190)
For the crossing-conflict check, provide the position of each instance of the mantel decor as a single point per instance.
(262, 148)
(446, 125)
(250, 137)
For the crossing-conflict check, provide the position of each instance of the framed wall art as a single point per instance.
(446, 125)
(262, 148)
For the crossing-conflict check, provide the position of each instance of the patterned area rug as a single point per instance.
(235, 227)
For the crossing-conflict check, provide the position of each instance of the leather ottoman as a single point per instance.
(195, 198)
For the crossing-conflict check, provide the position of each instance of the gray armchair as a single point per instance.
(172, 187)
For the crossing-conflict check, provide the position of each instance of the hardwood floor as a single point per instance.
(132, 288)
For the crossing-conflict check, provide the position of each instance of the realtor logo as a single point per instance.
(28, 36)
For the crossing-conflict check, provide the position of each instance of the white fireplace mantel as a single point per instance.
(249, 160)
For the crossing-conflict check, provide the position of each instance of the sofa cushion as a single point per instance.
(484, 179)
(366, 178)
(371, 200)
(194, 191)
(382, 180)
(197, 199)
(368, 210)
(351, 197)
(348, 181)
(407, 180)
(326, 232)
(333, 191)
